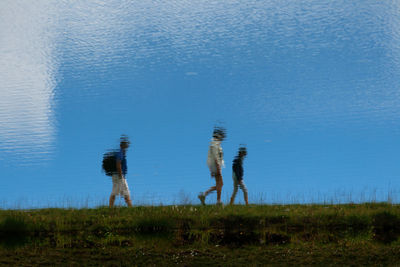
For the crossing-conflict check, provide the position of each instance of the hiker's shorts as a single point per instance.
(238, 183)
(120, 186)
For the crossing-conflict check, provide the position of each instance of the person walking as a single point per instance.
(237, 175)
(215, 163)
(120, 185)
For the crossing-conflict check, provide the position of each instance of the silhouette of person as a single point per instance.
(215, 163)
(237, 175)
(120, 185)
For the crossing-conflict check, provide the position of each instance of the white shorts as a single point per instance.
(120, 186)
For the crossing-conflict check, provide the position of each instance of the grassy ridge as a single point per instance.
(292, 234)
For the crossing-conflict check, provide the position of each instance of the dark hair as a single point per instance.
(242, 151)
(219, 133)
(124, 140)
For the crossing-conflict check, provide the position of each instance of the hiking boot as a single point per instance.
(202, 198)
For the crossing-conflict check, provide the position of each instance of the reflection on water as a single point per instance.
(28, 67)
(14, 232)
(311, 87)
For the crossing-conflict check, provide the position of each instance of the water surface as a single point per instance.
(311, 87)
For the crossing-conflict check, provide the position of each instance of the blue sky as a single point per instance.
(311, 87)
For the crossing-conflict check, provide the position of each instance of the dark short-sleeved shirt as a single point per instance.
(120, 155)
(237, 168)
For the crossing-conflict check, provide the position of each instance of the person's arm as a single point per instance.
(215, 157)
(119, 168)
(220, 157)
(241, 171)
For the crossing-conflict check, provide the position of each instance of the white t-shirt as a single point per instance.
(215, 154)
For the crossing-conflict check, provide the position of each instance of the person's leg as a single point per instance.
(218, 184)
(125, 192)
(128, 200)
(235, 188)
(211, 189)
(112, 200)
(114, 190)
(244, 189)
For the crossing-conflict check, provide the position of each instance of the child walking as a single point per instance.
(215, 163)
(237, 175)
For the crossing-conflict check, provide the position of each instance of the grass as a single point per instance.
(346, 234)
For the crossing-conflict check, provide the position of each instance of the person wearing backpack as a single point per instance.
(118, 174)
(237, 175)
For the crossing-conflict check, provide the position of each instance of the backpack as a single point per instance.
(109, 165)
